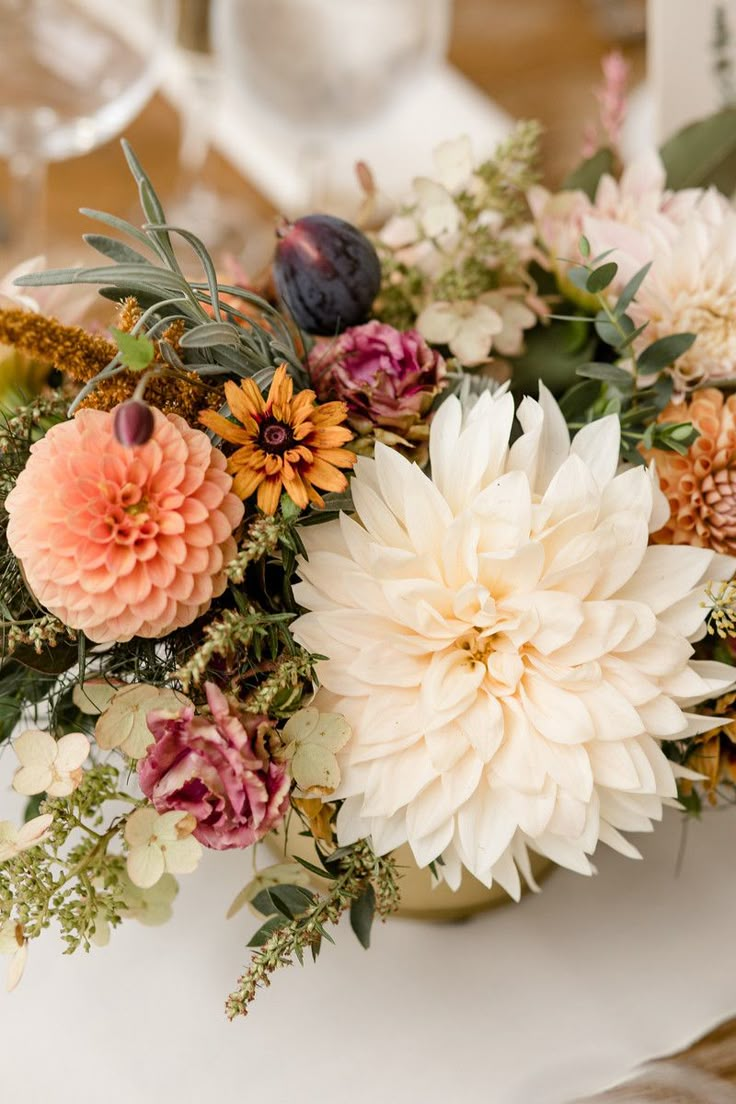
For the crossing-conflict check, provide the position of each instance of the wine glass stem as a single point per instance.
(27, 209)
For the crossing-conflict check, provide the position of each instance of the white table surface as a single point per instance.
(559, 996)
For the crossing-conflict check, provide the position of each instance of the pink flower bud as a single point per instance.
(133, 423)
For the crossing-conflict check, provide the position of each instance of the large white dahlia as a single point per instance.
(506, 646)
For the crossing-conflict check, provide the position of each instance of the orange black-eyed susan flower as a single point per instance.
(286, 441)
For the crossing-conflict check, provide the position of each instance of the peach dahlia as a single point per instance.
(118, 541)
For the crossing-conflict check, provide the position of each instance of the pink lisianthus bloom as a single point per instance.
(217, 768)
(387, 378)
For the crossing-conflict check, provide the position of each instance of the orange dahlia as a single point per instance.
(701, 486)
(286, 442)
(124, 541)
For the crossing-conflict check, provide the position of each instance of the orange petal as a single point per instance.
(269, 494)
(245, 400)
(325, 476)
(245, 482)
(224, 428)
(281, 389)
(341, 458)
(296, 490)
(331, 413)
(329, 437)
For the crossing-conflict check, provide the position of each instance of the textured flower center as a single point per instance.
(275, 436)
(477, 644)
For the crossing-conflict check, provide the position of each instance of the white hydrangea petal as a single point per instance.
(33, 780)
(72, 751)
(140, 827)
(34, 747)
(145, 865)
(182, 856)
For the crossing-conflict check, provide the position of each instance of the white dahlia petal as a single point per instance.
(507, 648)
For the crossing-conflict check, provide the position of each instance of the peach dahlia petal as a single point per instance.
(123, 542)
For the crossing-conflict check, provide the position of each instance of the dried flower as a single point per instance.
(386, 378)
(14, 944)
(310, 742)
(284, 442)
(701, 486)
(13, 841)
(160, 844)
(124, 542)
(123, 726)
(48, 765)
(216, 767)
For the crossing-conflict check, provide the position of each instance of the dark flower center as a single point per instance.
(275, 436)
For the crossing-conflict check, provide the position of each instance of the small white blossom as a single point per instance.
(468, 327)
(15, 840)
(122, 724)
(311, 740)
(48, 765)
(158, 844)
(13, 943)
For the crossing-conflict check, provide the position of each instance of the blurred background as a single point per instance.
(240, 108)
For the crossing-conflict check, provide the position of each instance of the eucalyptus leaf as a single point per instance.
(628, 294)
(660, 354)
(611, 373)
(600, 278)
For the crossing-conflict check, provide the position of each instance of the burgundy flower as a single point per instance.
(388, 379)
(217, 768)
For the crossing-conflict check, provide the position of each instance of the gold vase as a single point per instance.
(421, 897)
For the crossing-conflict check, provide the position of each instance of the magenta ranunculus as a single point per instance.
(387, 378)
(217, 768)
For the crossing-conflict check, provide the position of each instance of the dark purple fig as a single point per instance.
(327, 273)
(133, 423)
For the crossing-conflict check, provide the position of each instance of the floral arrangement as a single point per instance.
(426, 543)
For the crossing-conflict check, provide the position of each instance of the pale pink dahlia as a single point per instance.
(123, 542)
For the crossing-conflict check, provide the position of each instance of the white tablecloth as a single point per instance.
(530, 1004)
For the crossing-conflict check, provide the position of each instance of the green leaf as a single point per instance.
(260, 937)
(586, 176)
(578, 276)
(703, 154)
(611, 373)
(312, 868)
(362, 911)
(584, 246)
(288, 901)
(579, 398)
(114, 249)
(136, 350)
(210, 333)
(33, 807)
(626, 297)
(660, 354)
(600, 278)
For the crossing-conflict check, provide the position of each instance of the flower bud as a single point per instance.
(133, 423)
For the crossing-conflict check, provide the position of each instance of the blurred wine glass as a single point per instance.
(321, 67)
(73, 73)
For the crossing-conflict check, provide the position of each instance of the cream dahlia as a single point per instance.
(506, 646)
(123, 542)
